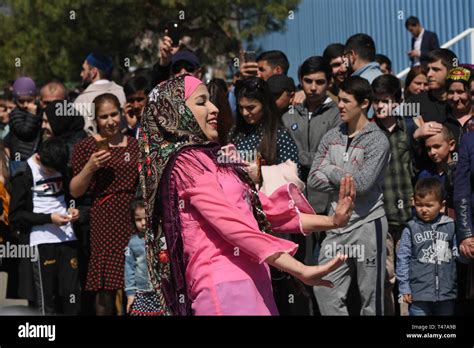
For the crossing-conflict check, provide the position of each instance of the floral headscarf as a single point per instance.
(169, 127)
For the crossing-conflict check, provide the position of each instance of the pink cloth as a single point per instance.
(282, 179)
(190, 85)
(223, 246)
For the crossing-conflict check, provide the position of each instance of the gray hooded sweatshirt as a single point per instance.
(307, 130)
(365, 159)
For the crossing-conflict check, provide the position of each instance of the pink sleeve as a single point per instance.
(282, 209)
(196, 178)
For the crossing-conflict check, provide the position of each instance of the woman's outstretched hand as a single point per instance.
(310, 275)
(313, 274)
(345, 204)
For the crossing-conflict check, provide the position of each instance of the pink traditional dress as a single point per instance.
(224, 249)
(206, 250)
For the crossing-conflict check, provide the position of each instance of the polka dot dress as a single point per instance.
(286, 146)
(146, 303)
(112, 189)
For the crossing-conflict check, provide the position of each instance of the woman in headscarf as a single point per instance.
(209, 237)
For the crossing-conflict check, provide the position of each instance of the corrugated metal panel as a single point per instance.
(318, 23)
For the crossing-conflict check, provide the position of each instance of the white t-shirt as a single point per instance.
(417, 47)
(48, 198)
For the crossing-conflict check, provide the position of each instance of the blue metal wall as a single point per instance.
(318, 23)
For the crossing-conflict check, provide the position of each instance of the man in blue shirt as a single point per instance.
(360, 53)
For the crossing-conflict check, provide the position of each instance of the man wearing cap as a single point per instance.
(95, 74)
(25, 123)
(283, 90)
(174, 62)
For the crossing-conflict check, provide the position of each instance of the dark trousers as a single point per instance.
(291, 296)
(56, 279)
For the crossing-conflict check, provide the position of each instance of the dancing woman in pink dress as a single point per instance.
(210, 235)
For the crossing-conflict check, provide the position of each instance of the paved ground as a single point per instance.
(11, 306)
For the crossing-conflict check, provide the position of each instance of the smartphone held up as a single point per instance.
(103, 144)
(173, 30)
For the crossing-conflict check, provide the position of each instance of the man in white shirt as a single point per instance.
(95, 74)
(422, 42)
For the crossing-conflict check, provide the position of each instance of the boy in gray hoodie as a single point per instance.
(359, 148)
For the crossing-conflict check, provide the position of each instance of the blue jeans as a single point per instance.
(420, 308)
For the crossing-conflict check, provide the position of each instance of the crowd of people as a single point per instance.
(345, 193)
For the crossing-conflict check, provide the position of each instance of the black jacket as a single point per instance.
(428, 43)
(464, 188)
(21, 214)
(160, 73)
(25, 134)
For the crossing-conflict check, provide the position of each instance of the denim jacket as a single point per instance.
(136, 269)
(426, 266)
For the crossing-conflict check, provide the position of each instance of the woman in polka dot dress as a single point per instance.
(109, 171)
(259, 128)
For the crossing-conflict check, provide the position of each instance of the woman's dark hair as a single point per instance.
(54, 154)
(359, 88)
(102, 99)
(313, 65)
(387, 85)
(218, 96)
(257, 89)
(414, 72)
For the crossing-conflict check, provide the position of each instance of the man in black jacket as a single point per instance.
(422, 42)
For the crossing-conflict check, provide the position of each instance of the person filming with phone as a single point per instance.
(175, 59)
(136, 90)
(267, 64)
(106, 165)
